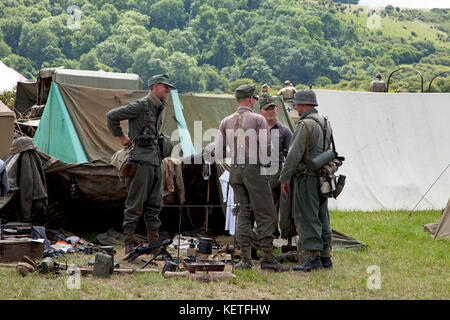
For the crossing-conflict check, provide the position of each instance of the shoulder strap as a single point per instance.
(307, 142)
(240, 115)
(324, 130)
(240, 140)
(145, 103)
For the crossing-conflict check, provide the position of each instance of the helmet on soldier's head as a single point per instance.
(287, 82)
(22, 144)
(378, 76)
(305, 96)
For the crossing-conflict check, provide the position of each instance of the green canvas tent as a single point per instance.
(26, 95)
(74, 140)
(73, 126)
(98, 79)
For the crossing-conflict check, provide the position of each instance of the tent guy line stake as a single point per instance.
(410, 213)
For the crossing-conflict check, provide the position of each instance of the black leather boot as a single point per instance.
(313, 263)
(269, 262)
(326, 262)
(246, 262)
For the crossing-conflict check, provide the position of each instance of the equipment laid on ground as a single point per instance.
(149, 248)
(14, 249)
(103, 266)
(193, 265)
(205, 246)
(169, 266)
(109, 250)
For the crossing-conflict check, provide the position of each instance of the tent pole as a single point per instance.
(180, 209)
(207, 208)
(410, 213)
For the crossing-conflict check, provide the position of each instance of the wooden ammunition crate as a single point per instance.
(12, 250)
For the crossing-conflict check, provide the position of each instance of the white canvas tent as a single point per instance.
(396, 146)
(9, 77)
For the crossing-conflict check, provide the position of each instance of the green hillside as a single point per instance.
(214, 45)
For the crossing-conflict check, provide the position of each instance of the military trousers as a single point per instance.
(252, 191)
(279, 199)
(310, 212)
(144, 197)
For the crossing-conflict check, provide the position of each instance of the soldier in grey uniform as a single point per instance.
(269, 110)
(251, 188)
(378, 85)
(144, 187)
(310, 209)
(264, 93)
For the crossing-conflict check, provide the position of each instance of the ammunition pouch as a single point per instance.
(128, 169)
(145, 141)
(165, 146)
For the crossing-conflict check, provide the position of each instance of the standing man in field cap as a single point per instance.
(247, 135)
(269, 110)
(144, 184)
(310, 209)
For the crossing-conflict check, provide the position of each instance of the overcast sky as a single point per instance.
(408, 3)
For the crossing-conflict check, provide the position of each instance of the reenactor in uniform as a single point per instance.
(251, 188)
(264, 93)
(310, 209)
(378, 85)
(288, 94)
(144, 187)
(269, 110)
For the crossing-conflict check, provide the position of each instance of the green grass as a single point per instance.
(412, 266)
(391, 26)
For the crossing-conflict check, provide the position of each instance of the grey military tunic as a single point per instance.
(310, 210)
(144, 188)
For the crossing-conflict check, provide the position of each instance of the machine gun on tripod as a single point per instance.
(149, 249)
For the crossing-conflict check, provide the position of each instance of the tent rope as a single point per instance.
(410, 213)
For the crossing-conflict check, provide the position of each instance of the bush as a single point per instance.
(233, 85)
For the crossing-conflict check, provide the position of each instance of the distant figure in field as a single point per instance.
(288, 94)
(378, 85)
(264, 93)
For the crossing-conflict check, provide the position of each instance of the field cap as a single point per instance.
(160, 78)
(246, 91)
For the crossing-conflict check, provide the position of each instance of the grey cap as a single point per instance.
(267, 102)
(305, 96)
(287, 82)
(246, 91)
(265, 85)
(160, 78)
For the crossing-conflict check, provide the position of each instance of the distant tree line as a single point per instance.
(208, 45)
